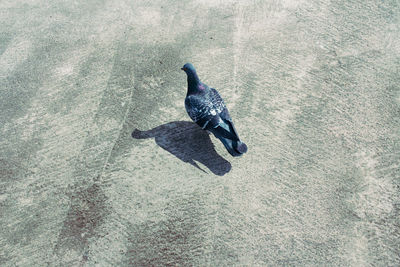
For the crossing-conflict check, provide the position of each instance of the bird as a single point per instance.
(207, 109)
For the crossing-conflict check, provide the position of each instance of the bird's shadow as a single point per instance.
(189, 143)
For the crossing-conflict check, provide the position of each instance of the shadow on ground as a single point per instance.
(189, 143)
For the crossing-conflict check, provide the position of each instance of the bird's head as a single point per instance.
(188, 68)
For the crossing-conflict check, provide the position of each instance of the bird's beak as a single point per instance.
(182, 69)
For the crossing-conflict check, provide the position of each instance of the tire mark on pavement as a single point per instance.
(88, 203)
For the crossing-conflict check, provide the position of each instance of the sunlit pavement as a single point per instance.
(101, 165)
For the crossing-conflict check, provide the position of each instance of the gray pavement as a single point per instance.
(100, 164)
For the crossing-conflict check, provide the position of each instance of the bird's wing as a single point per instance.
(219, 104)
(200, 109)
(223, 113)
(211, 114)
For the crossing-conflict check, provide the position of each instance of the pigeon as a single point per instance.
(207, 109)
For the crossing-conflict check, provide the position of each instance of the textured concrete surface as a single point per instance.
(100, 164)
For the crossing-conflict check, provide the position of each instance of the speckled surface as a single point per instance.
(100, 164)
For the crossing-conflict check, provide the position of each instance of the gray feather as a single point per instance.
(206, 107)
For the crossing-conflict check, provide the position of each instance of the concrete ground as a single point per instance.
(100, 164)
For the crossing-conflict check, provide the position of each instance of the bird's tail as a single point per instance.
(227, 134)
(235, 148)
(241, 147)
